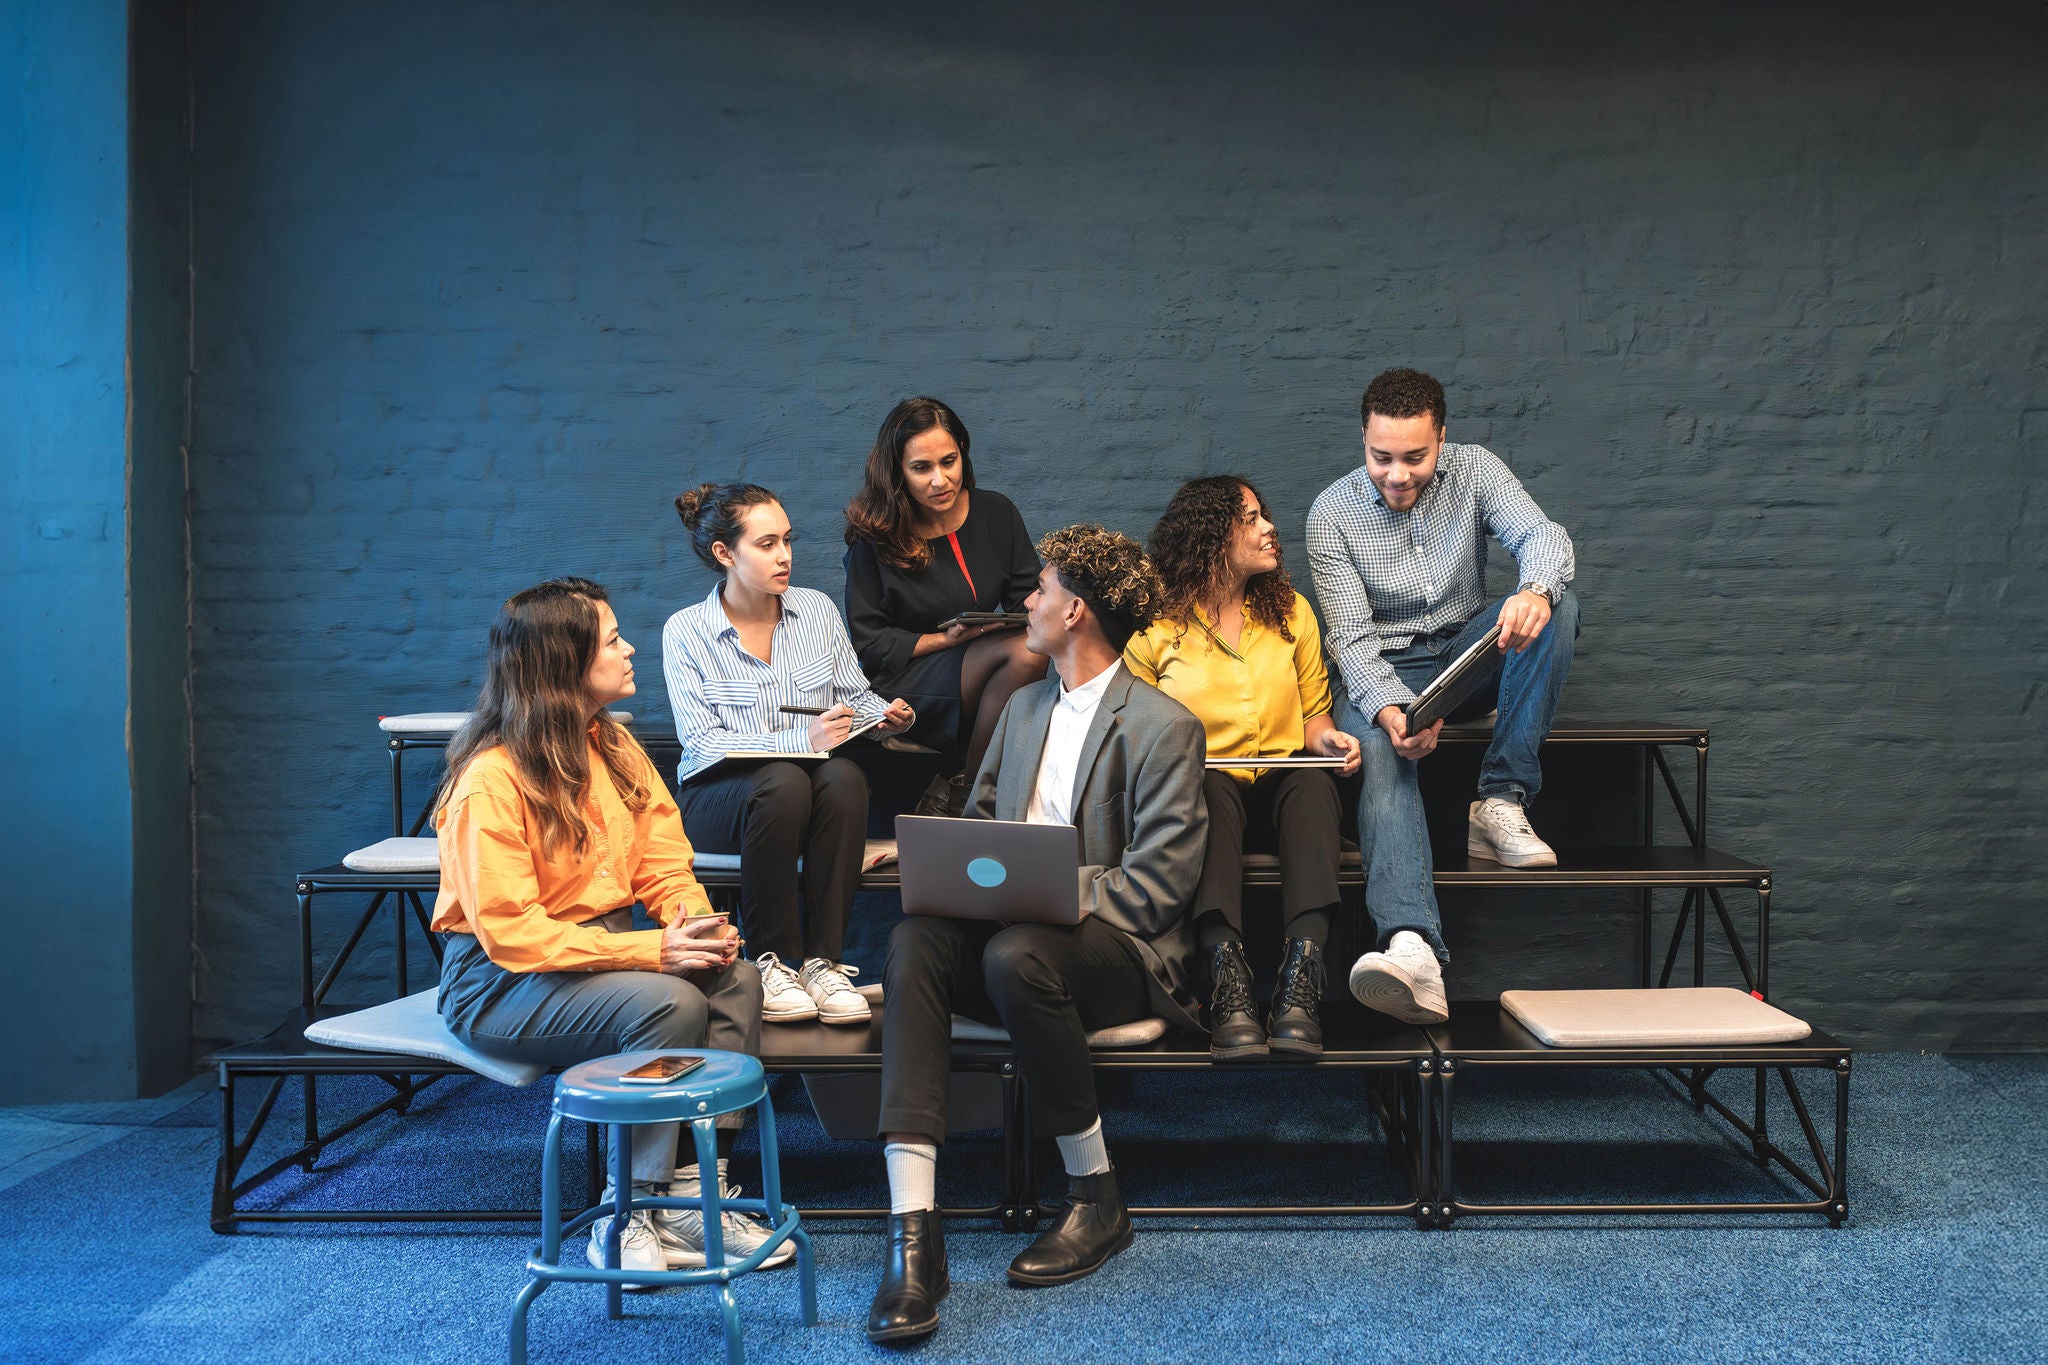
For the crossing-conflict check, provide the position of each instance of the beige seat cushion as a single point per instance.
(878, 853)
(395, 855)
(413, 1026)
(447, 722)
(1137, 1033)
(1690, 1016)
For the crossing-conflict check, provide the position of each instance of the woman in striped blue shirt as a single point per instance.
(755, 670)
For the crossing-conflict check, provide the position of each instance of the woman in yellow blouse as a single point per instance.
(552, 823)
(1239, 647)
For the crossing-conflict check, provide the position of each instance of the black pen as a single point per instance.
(804, 710)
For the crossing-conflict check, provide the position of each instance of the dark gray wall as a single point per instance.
(1750, 298)
(159, 657)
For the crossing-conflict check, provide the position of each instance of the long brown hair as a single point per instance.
(883, 512)
(1190, 548)
(534, 702)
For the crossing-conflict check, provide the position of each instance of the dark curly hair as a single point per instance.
(1109, 571)
(1190, 548)
(883, 512)
(1403, 393)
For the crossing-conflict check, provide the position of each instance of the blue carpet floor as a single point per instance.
(107, 1255)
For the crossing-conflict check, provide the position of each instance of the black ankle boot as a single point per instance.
(1234, 1028)
(907, 1301)
(1296, 1027)
(1095, 1227)
(938, 794)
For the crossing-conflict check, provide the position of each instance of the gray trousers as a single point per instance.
(558, 1018)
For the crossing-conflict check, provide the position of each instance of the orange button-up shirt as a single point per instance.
(531, 913)
(1254, 700)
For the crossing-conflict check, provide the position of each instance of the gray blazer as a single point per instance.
(1138, 804)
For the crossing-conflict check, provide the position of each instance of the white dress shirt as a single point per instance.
(1052, 798)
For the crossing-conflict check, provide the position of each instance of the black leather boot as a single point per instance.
(1295, 1026)
(906, 1303)
(1234, 1027)
(1095, 1227)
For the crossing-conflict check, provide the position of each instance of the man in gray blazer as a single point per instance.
(1120, 760)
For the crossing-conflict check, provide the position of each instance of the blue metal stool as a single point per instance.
(591, 1092)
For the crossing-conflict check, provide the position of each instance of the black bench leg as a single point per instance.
(1424, 1149)
(1446, 1181)
(1838, 1207)
(223, 1216)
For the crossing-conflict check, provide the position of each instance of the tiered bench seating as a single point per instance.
(1410, 1072)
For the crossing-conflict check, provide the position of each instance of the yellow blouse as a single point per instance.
(530, 913)
(1255, 700)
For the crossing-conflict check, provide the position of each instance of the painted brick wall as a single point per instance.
(1752, 304)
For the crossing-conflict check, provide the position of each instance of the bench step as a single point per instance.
(1677, 866)
(1482, 1033)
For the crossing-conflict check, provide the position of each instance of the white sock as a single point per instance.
(1085, 1153)
(913, 1176)
(1408, 941)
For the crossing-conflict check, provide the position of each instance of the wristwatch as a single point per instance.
(1548, 595)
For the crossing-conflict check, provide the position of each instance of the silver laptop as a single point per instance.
(989, 869)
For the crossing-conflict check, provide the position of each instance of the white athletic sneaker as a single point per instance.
(1500, 831)
(682, 1230)
(1404, 981)
(830, 987)
(639, 1245)
(783, 998)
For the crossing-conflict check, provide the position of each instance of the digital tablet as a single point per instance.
(803, 756)
(1459, 680)
(984, 618)
(1276, 761)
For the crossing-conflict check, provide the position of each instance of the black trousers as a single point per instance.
(1295, 813)
(1049, 985)
(772, 814)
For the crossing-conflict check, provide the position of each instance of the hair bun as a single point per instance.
(690, 505)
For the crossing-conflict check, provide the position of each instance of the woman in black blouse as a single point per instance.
(923, 545)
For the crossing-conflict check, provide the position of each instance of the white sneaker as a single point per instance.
(639, 1245)
(682, 1230)
(830, 986)
(1500, 831)
(1404, 981)
(783, 998)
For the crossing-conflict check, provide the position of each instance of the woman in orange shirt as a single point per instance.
(552, 823)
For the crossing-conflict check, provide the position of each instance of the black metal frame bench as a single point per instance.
(1410, 1073)
(1480, 1035)
(1401, 1055)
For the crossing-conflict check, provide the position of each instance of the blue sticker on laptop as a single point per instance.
(987, 872)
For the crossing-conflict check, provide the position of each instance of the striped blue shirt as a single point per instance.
(1384, 577)
(725, 699)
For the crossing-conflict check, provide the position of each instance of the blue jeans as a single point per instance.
(1393, 838)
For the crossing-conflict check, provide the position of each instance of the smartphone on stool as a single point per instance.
(662, 1070)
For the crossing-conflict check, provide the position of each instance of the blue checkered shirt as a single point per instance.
(1384, 577)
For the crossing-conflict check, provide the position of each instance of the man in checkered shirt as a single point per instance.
(1398, 548)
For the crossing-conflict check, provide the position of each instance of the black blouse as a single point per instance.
(887, 608)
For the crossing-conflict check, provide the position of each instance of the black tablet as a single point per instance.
(1458, 681)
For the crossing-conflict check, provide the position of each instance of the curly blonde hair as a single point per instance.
(1111, 573)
